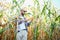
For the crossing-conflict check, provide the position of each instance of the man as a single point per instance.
(22, 26)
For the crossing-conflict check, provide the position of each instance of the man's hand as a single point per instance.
(29, 19)
(16, 17)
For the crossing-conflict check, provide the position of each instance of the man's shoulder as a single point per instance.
(21, 17)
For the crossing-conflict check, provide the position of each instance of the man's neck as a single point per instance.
(22, 15)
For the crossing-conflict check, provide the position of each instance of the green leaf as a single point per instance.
(1, 31)
(10, 25)
(1, 15)
(57, 18)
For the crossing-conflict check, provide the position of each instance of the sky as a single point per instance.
(27, 2)
(56, 3)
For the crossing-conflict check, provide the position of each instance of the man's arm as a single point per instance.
(25, 20)
(29, 19)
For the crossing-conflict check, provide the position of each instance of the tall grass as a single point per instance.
(44, 23)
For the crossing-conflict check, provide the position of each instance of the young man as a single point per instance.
(22, 26)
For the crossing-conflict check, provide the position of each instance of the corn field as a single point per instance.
(45, 24)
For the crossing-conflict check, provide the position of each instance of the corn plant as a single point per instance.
(9, 13)
(49, 18)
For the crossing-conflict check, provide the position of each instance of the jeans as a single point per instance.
(21, 35)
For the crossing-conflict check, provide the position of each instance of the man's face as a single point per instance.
(22, 12)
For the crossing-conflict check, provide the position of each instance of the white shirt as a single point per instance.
(20, 26)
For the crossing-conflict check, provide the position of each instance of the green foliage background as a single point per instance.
(45, 16)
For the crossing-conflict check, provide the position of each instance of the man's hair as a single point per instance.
(23, 11)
